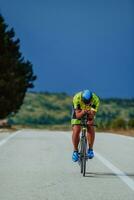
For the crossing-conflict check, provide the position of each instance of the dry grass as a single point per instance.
(128, 132)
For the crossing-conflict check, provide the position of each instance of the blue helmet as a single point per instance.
(86, 96)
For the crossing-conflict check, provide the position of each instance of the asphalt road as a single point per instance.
(37, 165)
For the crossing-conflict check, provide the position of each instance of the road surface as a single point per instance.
(37, 165)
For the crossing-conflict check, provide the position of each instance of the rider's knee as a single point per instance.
(90, 130)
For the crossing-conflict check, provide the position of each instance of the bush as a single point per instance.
(131, 123)
(119, 123)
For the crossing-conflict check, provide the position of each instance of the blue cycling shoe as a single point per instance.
(75, 156)
(90, 153)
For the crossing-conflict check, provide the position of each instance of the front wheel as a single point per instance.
(84, 157)
(81, 156)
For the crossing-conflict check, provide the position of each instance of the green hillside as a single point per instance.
(54, 109)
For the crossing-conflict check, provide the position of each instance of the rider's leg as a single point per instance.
(76, 136)
(90, 136)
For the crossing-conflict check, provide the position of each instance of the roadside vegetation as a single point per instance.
(53, 111)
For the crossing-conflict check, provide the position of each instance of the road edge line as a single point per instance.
(128, 181)
(5, 140)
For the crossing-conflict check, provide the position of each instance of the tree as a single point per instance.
(16, 74)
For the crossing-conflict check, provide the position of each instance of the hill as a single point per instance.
(54, 110)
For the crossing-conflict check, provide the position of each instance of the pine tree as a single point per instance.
(16, 74)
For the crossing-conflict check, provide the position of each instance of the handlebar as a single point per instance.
(84, 121)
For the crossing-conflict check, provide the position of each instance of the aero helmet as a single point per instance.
(86, 96)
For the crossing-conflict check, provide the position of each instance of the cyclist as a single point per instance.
(84, 102)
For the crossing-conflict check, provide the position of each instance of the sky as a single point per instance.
(76, 44)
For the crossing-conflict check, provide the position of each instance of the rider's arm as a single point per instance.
(95, 102)
(77, 107)
(79, 113)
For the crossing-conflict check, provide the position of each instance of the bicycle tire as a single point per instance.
(84, 156)
(81, 155)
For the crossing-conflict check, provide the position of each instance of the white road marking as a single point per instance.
(2, 142)
(127, 137)
(117, 171)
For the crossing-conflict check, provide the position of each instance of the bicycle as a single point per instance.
(83, 145)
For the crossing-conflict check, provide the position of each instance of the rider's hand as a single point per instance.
(91, 112)
(84, 112)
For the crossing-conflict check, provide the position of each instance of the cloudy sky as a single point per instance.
(76, 44)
